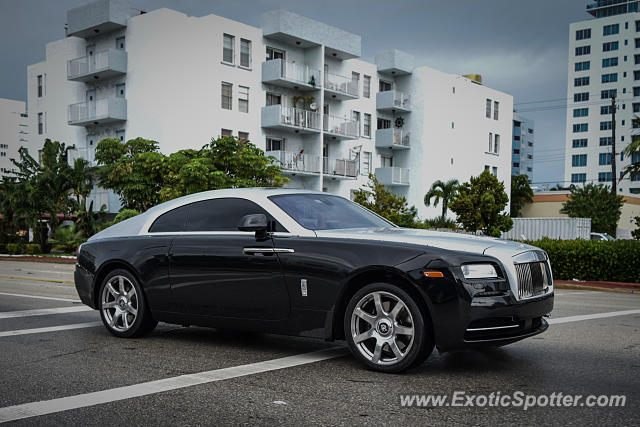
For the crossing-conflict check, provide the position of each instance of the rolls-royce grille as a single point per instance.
(532, 279)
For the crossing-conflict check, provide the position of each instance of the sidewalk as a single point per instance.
(633, 288)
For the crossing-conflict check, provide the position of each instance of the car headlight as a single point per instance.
(479, 271)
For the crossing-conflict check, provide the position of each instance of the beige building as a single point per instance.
(548, 204)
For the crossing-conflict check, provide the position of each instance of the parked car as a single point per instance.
(311, 264)
(601, 236)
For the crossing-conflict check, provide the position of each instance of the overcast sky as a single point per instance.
(519, 46)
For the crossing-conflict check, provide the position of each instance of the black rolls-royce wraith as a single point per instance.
(312, 264)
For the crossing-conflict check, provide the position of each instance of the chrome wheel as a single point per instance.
(382, 328)
(119, 303)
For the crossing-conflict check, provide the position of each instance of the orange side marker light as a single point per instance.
(431, 274)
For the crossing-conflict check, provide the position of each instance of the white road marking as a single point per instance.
(49, 329)
(39, 297)
(34, 409)
(44, 407)
(591, 316)
(43, 311)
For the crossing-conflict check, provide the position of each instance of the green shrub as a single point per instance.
(3, 248)
(125, 214)
(15, 248)
(610, 261)
(33, 249)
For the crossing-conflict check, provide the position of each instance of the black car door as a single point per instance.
(216, 270)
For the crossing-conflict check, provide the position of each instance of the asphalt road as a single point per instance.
(218, 377)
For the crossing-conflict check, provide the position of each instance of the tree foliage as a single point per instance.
(377, 198)
(446, 191)
(595, 202)
(480, 203)
(636, 233)
(632, 150)
(144, 177)
(521, 193)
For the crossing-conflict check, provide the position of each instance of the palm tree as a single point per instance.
(446, 191)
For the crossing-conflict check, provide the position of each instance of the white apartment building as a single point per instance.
(522, 146)
(604, 61)
(14, 133)
(295, 87)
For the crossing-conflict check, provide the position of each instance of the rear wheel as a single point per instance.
(123, 307)
(385, 328)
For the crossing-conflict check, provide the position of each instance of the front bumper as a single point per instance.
(83, 280)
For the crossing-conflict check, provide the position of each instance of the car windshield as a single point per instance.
(324, 212)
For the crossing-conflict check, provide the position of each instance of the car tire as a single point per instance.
(386, 329)
(123, 306)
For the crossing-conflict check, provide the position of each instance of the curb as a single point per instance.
(617, 287)
(56, 260)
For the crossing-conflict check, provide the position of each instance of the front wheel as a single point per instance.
(385, 329)
(123, 307)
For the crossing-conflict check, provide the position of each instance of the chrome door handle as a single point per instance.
(267, 250)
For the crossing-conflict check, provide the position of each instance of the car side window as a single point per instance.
(173, 221)
(224, 215)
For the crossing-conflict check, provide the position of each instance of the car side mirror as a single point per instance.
(254, 222)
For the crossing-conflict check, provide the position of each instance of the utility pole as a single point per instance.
(613, 145)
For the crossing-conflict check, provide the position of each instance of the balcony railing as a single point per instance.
(341, 167)
(341, 84)
(341, 126)
(277, 71)
(393, 175)
(275, 116)
(99, 111)
(392, 100)
(106, 63)
(392, 138)
(296, 162)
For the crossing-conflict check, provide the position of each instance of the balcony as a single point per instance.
(395, 62)
(339, 168)
(393, 176)
(291, 75)
(340, 87)
(395, 139)
(336, 127)
(97, 18)
(296, 163)
(106, 110)
(392, 101)
(105, 64)
(290, 119)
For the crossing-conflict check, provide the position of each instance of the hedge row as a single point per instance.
(609, 261)
(20, 248)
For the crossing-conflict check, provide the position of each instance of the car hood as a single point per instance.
(439, 239)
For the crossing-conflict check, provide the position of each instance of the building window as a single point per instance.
(580, 97)
(243, 99)
(583, 50)
(120, 90)
(490, 150)
(275, 144)
(494, 171)
(579, 143)
(637, 25)
(583, 66)
(40, 86)
(609, 78)
(611, 29)
(383, 123)
(604, 159)
(120, 135)
(582, 81)
(610, 93)
(580, 112)
(636, 75)
(488, 109)
(384, 86)
(355, 116)
(227, 49)
(496, 104)
(355, 79)
(226, 132)
(274, 98)
(245, 53)
(578, 177)
(581, 127)
(516, 151)
(609, 46)
(40, 123)
(366, 163)
(227, 100)
(366, 86)
(605, 125)
(583, 34)
(367, 125)
(120, 43)
(609, 62)
(496, 144)
(605, 109)
(243, 136)
(578, 160)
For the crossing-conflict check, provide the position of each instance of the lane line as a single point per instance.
(30, 271)
(579, 318)
(49, 329)
(39, 297)
(27, 410)
(36, 279)
(43, 311)
(44, 407)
